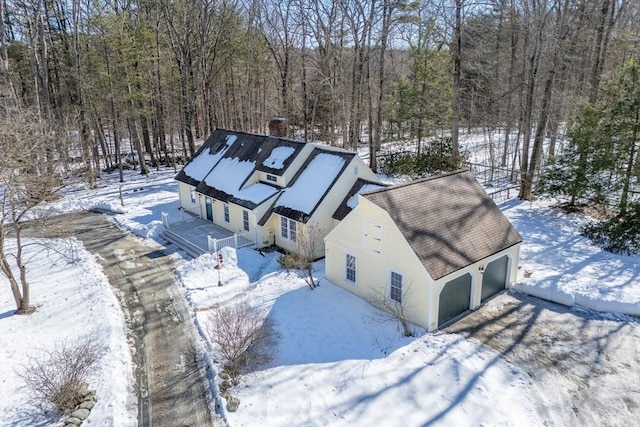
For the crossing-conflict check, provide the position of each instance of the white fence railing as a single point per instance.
(236, 241)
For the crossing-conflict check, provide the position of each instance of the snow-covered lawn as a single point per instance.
(563, 266)
(337, 362)
(73, 300)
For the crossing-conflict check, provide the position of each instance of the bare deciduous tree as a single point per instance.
(392, 309)
(308, 249)
(25, 181)
(242, 336)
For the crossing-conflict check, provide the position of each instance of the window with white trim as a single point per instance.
(245, 220)
(272, 178)
(288, 229)
(350, 268)
(193, 195)
(284, 227)
(395, 291)
(226, 212)
(293, 230)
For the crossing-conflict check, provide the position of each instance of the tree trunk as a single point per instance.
(624, 197)
(187, 110)
(534, 59)
(106, 152)
(598, 52)
(455, 108)
(536, 153)
(42, 63)
(133, 133)
(4, 58)
(85, 138)
(374, 143)
(159, 129)
(5, 267)
(25, 303)
(512, 70)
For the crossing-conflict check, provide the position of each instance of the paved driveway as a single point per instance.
(584, 367)
(171, 388)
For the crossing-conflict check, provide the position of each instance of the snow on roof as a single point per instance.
(200, 165)
(311, 185)
(278, 156)
(353, 200)
(256, 193)
(229, 175)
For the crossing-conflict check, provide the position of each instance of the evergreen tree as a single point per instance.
(600, 164)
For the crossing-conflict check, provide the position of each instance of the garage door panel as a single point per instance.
(455, 298)
(494, 278)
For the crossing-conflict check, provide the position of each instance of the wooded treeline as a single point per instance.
(153, 77)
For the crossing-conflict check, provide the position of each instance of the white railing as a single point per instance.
(236, 241)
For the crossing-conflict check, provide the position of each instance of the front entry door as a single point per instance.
(209, 207)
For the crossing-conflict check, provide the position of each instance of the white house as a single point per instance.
(438, 247)
(269, 188)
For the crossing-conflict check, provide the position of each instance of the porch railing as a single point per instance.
(174, 235)
(236, 241)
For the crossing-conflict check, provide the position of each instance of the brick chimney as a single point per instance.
(278, 127)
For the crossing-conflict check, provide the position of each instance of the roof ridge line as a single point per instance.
(331, 149)
(418, 181)
(260, 135)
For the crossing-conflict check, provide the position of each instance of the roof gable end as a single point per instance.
(312, 183)
(448, 220)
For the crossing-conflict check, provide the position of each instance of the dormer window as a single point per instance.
(272, 178)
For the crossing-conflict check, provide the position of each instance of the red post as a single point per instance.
(219, 267)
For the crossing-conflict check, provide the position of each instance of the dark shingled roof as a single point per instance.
(271, 142)
(257, 148)
(343, 209)
(228, 198)
(246, 147)
(449, 221)
(213, 144)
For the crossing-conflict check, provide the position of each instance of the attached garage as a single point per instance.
(494, 278)
(455, 299)
(443, 234)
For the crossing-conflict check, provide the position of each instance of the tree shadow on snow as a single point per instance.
(7, 314)
(544, 339)
(329, 324)
(33, 414)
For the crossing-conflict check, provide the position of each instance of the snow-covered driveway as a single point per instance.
(584, 366)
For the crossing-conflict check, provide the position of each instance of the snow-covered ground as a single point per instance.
(74, 300)
(337, 362)
(557, 263)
